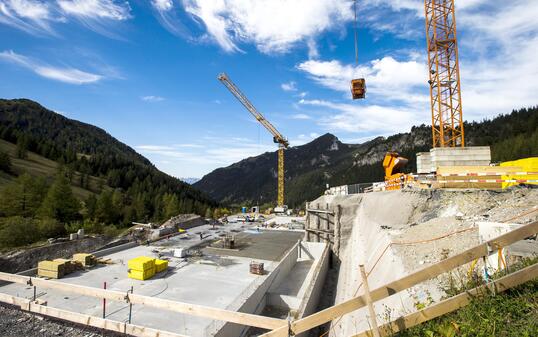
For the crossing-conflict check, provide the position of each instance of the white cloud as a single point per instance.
(289, 86)
(96, 9)
(274, 26)
(380, 120)
(197, 159)
(31, 16)
(304, 138)
(162, 5)
(66, 75)
(386, 78)
(152, 98)
(300, 116)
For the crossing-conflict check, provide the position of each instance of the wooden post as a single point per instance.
(373, 320)
(104, 302)
(318, 225)
(336, 237)
(307, 223)
(327, 225)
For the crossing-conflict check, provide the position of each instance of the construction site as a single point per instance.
(360, 260)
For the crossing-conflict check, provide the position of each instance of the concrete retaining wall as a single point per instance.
(254, 299)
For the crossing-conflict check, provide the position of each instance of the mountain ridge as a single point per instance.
(310, 167)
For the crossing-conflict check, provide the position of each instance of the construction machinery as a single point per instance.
(443, 66)
(393, 164)
(277, 136)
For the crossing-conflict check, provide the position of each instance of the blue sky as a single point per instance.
(145, 70)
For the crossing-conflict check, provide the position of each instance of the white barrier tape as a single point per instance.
(479, 174)
(490, 181)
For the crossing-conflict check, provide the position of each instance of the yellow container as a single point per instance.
(160, 265)
(141, 263)
(529, 165)
(141, 275)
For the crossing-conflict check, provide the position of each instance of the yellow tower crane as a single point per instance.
(277, 136)
(443, 66)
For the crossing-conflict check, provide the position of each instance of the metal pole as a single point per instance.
(130, 307)
(35, 293)
(373, 320)
(104, 301)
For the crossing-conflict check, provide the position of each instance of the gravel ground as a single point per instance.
(17, 323)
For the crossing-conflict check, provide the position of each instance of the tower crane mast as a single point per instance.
(443, 66)
(277, 136)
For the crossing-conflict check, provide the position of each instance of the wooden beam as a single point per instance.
(181, 307)
(406, 282)
(319, 231)
(311, 210)
(454, 303)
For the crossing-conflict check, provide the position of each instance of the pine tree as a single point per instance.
(23, 197)
(60, 202)
(5, 162)
(22, 147)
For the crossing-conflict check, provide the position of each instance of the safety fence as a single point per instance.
(281, 327)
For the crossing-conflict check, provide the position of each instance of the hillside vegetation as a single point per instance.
(76, 175)
(326, 160)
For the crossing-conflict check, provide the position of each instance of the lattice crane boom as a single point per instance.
(443, 63)
(277, 136)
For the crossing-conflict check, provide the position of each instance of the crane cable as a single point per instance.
(356, 33)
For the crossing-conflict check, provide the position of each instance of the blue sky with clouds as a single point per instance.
(145, 70)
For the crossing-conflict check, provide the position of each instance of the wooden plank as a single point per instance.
(454, 303)
(408, 281)
(190, 309)
(209, 312)
(311, 210)
(369, 303)
(320, 231)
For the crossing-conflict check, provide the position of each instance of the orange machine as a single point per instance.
(393, 164)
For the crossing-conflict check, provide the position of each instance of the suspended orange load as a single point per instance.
(358, 88)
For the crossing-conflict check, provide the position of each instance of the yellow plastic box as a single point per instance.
(160, 265)
(141, 275)
(141, 263)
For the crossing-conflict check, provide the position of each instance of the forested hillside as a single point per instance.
(62, 174)
(326, 160)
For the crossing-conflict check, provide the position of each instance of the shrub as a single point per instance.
(18, 231)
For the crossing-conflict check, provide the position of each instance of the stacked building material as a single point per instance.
(51, 269)
(86, 260)
(141, 268)
(69, 265)
(160, 265)
(256, 268)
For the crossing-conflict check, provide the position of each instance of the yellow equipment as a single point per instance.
(141, 268)
(277, 136)
(445, 94)
(160, 265)
(393, 163)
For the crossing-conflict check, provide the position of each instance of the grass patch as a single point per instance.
(513, 313)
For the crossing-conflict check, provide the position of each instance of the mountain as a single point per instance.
(190, 180)
(100, 168)
(326, 160)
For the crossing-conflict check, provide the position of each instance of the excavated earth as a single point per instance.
(16, 323)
